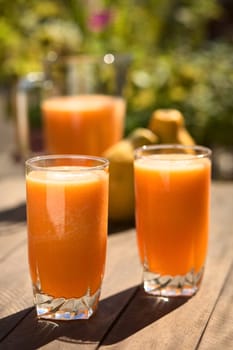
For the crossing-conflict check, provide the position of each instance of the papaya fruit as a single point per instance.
(169, 126)
(121, 177)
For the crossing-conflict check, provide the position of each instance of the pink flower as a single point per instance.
(99, 21)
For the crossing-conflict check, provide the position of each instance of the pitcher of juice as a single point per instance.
(85, 110)
(79, 102)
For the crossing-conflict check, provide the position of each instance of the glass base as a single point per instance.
(172, 286)
(48, 307)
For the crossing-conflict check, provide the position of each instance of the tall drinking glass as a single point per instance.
(172, 189)
(67, 201)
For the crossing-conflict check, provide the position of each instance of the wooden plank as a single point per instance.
(12, 253)
(11, 240)
(218, 333)
(154, 323)
(15, 286)
(12, 214)
(123, 274)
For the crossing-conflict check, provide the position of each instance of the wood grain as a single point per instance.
(219, 334)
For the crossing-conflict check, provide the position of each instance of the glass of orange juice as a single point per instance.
(83, 108)
(67, 201)
(172, 190)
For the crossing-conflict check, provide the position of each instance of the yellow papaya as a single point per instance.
(121, 177)
(169, 125)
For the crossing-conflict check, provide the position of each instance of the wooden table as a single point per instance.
(126, 317)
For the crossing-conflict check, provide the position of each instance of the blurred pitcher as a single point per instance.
(82, 108)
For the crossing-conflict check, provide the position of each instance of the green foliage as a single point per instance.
(199, 84)
(29, 30)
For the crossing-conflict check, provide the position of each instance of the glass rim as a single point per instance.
(205, 152)
(32, 162)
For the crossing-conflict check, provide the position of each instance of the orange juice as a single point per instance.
(67, 229)
(172, 212)
(84, 124)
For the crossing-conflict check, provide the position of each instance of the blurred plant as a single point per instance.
(198, 83)
(29, 30)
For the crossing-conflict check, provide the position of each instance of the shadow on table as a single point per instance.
(12, 220)
(117, 227)
(108, 326)
(15, 214)
(8, 323)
